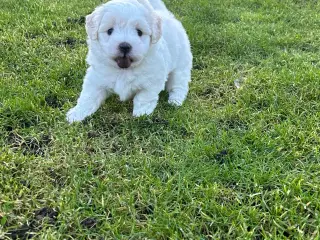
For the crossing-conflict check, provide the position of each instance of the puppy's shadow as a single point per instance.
(113, 105)
(113, 112)
(163, 103)
(163, 96)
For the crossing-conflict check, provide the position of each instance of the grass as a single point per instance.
(232, 163)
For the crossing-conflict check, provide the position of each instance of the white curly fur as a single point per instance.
(159, 59)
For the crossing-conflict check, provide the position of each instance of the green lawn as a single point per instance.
(234, 162)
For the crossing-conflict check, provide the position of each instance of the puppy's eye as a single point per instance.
(110, 31)
(140, 33)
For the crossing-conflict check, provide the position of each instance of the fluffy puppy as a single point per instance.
(136, 49)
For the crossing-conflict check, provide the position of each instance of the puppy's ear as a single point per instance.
(156, 29)
(93, 22)
(156, 21)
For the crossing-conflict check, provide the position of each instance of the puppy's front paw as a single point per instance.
(140, 112)
(175, 102)
(75, 115)
(176, 99)
(145, 109)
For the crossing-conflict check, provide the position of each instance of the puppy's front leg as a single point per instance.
(145, 102)
(90, 99)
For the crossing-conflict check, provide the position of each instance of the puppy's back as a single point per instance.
(158, 5)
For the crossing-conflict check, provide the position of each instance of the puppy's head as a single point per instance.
(125, 30)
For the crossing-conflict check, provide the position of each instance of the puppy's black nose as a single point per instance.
(125, 47)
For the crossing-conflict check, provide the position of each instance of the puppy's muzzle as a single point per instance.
(125, 48)
(124, 61)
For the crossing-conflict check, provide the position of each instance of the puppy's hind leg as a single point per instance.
(178, 86)
(145, 102)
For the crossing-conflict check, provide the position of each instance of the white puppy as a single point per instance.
(136, 49)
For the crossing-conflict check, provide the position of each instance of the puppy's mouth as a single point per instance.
(124, 61)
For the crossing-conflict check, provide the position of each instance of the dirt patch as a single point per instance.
(93, 134)
(25, 183)
(143, 211)
(53, 100)
(46, 212)
(69, 41)
(90, 150)
(26, 231)
(57, 178)
(221, 156)
(22, 232)
(8, 128)
(29, 145)
(88, 223)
